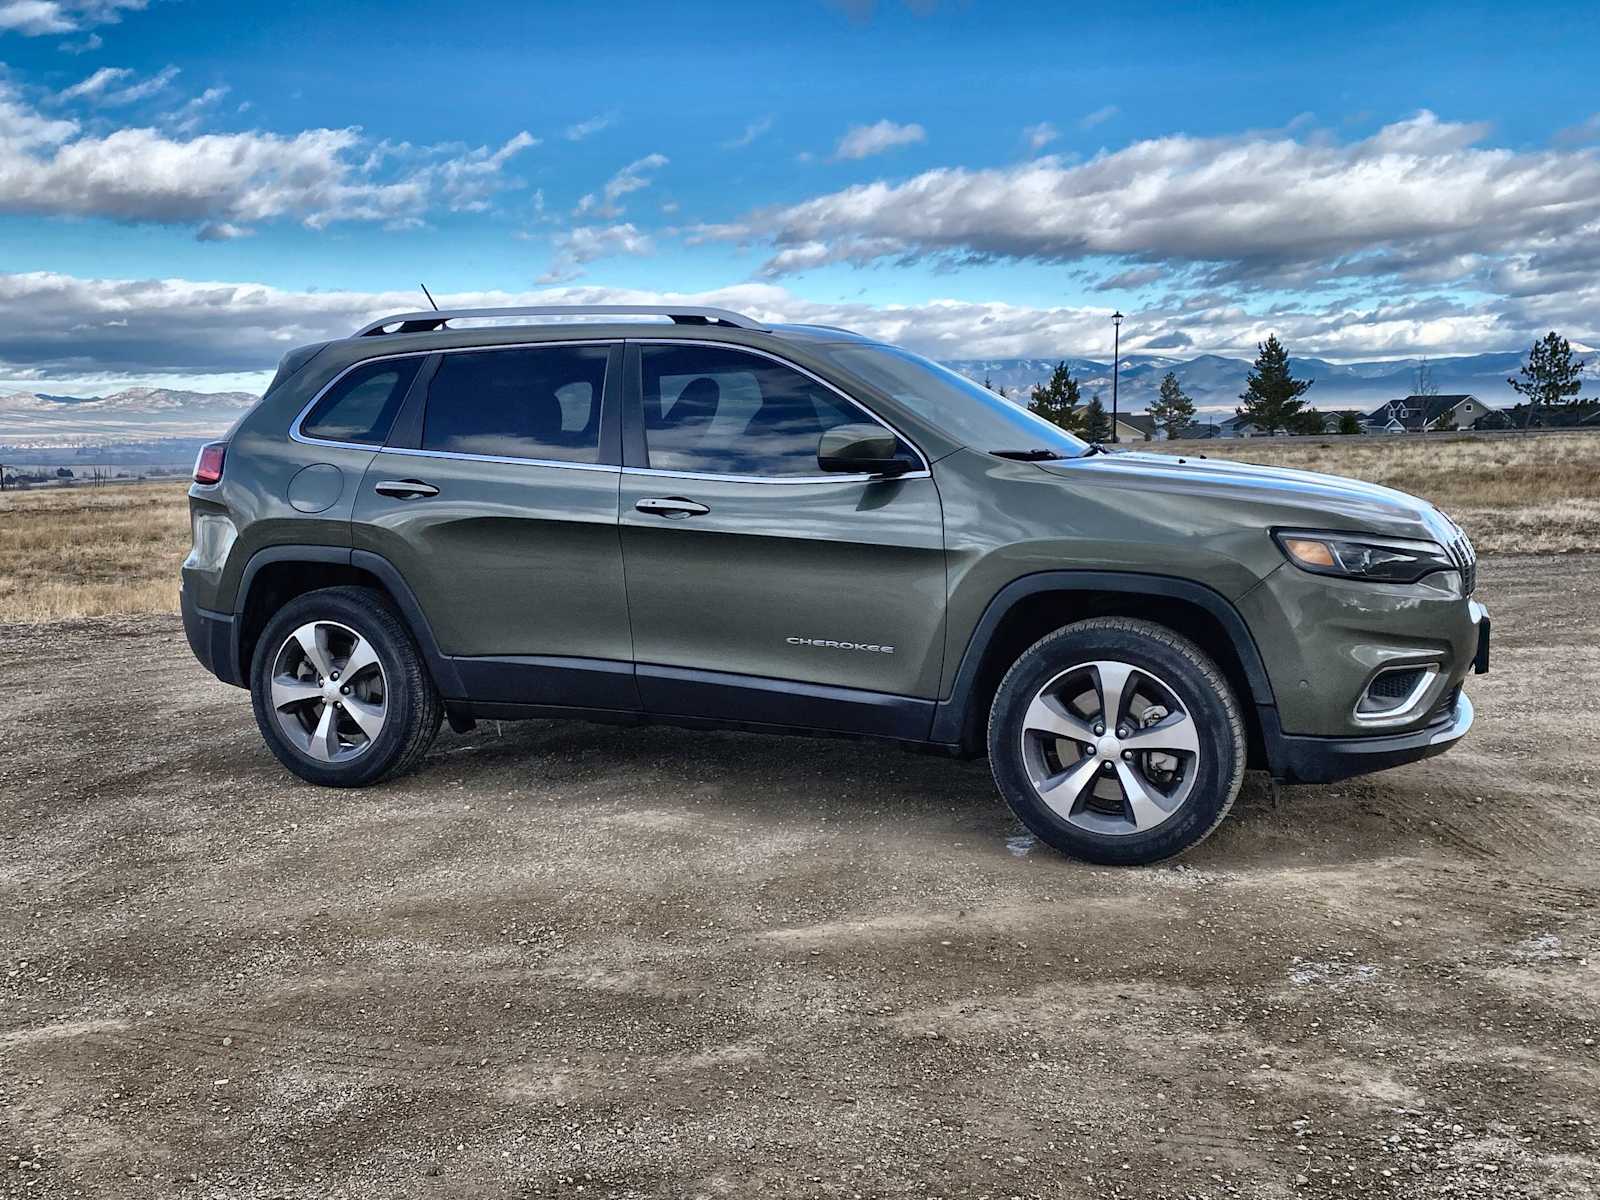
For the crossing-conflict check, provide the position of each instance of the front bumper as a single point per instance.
(1303, 759)
(211, 639)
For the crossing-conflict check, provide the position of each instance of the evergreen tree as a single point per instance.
(1549, 377)
(1096, 424)
(1306, 423)
(1349, 423)
(1173, 411)
(1057, 401)
(1271, 394)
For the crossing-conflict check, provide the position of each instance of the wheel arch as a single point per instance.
(277, 574)
(1028, 608)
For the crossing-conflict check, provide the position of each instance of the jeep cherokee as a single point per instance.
(706, 520)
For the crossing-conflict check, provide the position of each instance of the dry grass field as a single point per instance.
(113, 550)
(1519, 493)
(91, 551)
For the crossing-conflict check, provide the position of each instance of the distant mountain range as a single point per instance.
(161, 425)
(1214, 382)
(31, 421)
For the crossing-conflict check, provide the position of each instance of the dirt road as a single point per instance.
(567, 960)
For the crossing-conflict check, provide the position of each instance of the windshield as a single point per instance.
(965, 411)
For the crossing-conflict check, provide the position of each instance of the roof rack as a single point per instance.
(422, 322)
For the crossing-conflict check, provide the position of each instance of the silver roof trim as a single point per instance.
(415, 322)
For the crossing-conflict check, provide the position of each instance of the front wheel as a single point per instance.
(1117, 741)
(340, 692)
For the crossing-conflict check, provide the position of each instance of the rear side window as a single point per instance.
(530, 402)
(361, 407)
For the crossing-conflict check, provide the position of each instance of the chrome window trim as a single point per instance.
(926, 471)
(712, 477)
(463, 456)
(296, 435)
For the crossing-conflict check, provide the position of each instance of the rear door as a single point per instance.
(496, 498)
(760, 588)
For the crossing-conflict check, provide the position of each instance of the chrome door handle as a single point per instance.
(675, 507)
(405, 489)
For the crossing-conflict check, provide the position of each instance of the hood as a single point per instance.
(1277, 495)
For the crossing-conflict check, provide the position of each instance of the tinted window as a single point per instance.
(539, 402)
(362, 405)
(725, 412)
(966, 411)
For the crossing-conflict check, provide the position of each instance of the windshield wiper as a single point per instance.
(1039, 455)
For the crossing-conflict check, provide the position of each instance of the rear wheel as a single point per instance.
(1117, 741)
(340, 692)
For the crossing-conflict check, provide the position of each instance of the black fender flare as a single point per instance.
(445, 675)
(950, 716)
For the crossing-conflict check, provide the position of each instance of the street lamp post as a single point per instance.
(1116, 367)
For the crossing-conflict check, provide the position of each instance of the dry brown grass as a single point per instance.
(97, 551)
(91, 551)
(1529, 493)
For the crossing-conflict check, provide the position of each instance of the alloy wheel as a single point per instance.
(1110, 748)
(329, 691)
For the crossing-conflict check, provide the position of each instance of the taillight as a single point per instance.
(208, 466)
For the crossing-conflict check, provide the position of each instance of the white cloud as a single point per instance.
(587, 243)
(863, 141)
(626, 181)
(1039, 136)
(51, 167)
(96, 84)
(187, 118)
(1099, 116)
(583, 129)
(37, 18)
(102, 88)
(1420, 200)
(467, 181)
(221, 231)
(752, 131)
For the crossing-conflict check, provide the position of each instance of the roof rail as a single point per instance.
(422, 322)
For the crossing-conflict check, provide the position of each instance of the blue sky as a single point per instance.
(977, 179)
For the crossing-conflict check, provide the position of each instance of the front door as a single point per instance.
(760, 588)
(498, 504)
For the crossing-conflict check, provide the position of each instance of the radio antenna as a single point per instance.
(429, 295)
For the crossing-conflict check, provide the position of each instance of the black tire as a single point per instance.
(1190, 676)
(412, 709)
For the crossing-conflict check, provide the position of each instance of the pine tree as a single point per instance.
(1271, 394)
(1349, 423)
(1096, 424)
(1057, 401)
(1549, 377)
(1173, 411)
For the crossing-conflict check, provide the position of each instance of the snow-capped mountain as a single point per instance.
(37, 420)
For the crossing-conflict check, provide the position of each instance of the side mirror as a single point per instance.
(863, 449)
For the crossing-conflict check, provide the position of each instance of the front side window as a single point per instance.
(528, 402)
(719, 411)
(361, 407)
(965, 411)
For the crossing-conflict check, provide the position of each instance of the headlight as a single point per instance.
(1357, 556)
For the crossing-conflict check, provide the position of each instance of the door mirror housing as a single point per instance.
(863, 449)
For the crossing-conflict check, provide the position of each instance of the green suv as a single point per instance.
(705, 520)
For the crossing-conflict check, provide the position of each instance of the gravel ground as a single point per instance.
(568, 960)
